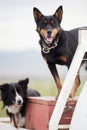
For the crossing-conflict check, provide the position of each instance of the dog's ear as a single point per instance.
(4, 87)
(24, 82)
(59, 13)
(37, 14)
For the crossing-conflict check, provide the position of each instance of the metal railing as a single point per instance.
(69, 80)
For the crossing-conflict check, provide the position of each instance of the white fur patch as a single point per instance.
(18, 97)
(13, 108)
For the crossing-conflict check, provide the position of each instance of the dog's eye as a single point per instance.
(52, 22)
(45, 22)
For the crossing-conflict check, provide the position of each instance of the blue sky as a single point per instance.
(17, 26)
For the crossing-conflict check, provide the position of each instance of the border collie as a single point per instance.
(14, 97)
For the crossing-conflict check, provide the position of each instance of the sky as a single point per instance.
(17, 26)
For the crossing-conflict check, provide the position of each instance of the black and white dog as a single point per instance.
(14, 97)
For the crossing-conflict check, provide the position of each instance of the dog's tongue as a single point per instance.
(49, 39)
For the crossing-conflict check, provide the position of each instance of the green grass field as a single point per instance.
(46, 88)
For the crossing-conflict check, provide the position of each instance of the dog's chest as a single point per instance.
(13, 108)
(55, 57)
(51, 56)
(20, 121)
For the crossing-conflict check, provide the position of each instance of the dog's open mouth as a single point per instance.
(18, 104)
(48, 39)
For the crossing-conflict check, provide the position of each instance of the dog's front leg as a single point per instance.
(53, 70)
(75, 86)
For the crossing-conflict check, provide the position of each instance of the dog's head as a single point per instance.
(48, 26)
(13, 95)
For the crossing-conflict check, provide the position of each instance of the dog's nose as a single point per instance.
(19, 102)
(49, 32)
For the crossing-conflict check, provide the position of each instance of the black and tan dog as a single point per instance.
(57, 45)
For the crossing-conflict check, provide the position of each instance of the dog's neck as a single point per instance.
(45, 48)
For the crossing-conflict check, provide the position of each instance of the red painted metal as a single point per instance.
(39, 110)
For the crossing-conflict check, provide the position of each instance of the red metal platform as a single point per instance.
(39, 111)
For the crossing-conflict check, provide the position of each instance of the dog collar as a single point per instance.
(14, 121)
(47, 49)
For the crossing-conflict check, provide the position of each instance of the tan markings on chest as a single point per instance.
(62, 58)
